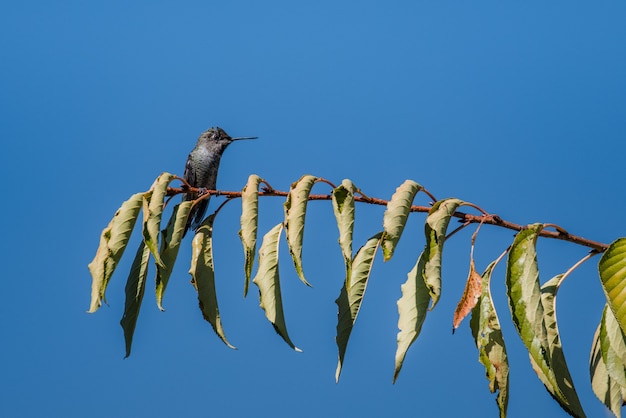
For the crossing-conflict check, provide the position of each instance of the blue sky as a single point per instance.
(519, 108)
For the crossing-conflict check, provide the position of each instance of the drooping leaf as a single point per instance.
(471, 294)
(412, 310)
(295, 211)
(113, 241)
(343, 207)
(435, 230)
(351, 295)
(396, 215)
(525, 300)
(607, 389)
(487, 333)
(135, 288)
(171, 237)
(203, 276)
(612, 268)
(153, 210)
(613, 347)
(562, 376)
(268, 282)
(249, 224)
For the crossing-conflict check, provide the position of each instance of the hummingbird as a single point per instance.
(201, 169)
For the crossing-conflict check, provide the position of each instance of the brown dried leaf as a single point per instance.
(473, 289)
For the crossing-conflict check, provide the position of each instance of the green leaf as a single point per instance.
(135, 287)
(152, 212)
(487, 334)
(435, 231)
(295, 211)
(412, 310)
(113, 241)
(559, 366)
(343, 207)
(268, 282)
(612, 268)
(203, 276)
(607, 389)
(249, 224)
(171, 237)
(351, 295)
(396, 215)
(613, 347)
(525, 300)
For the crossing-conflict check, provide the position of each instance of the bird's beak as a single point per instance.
(244, 137)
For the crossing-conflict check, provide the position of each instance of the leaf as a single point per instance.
(525, 301)
(351, 295)
(396, 215)
(152, 212)
(604, 387)
(613, 347)
(562, 376)
(343, 207)
(612, 268)
(113, 241)
(435, 230)
(295, 211)
(487, 334)
(135, 287)
(171, 237)
(471, 294)
(412, 310)
(268, 282)
(203, 276)
(249, 224)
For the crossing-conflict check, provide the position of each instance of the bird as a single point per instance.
(201, 169)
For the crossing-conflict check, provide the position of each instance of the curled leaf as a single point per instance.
(487, 334)
(203, 276)
(612, 268)
(170, 243)
(471, 294)
(295, 211)
(152, 212)
(343, 207)
(396, 215)
(113, 241)
(249, 224)
(268, 282)
(351, 295)
(412, 310)
(135, 288)
(435, 230)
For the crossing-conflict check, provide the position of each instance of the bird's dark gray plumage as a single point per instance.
(201, 169)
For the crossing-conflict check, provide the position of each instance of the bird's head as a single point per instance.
(218, 136)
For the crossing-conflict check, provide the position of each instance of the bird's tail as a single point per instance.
(196, 216)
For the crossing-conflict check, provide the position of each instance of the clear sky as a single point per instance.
(519, 108)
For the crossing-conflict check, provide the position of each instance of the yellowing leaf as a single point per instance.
(396, 215)
(203, 276)
(268, 282)
(487, 334)
(435, 230)
(171, 237)
(343, 207)
(152, 211)
(471, 294)
(135, 288)
(295, 211)
(607, 389)
(612, 267)
(412, 310)
(351, 295)
(113, 241)
(525, 300)
(249, 224)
